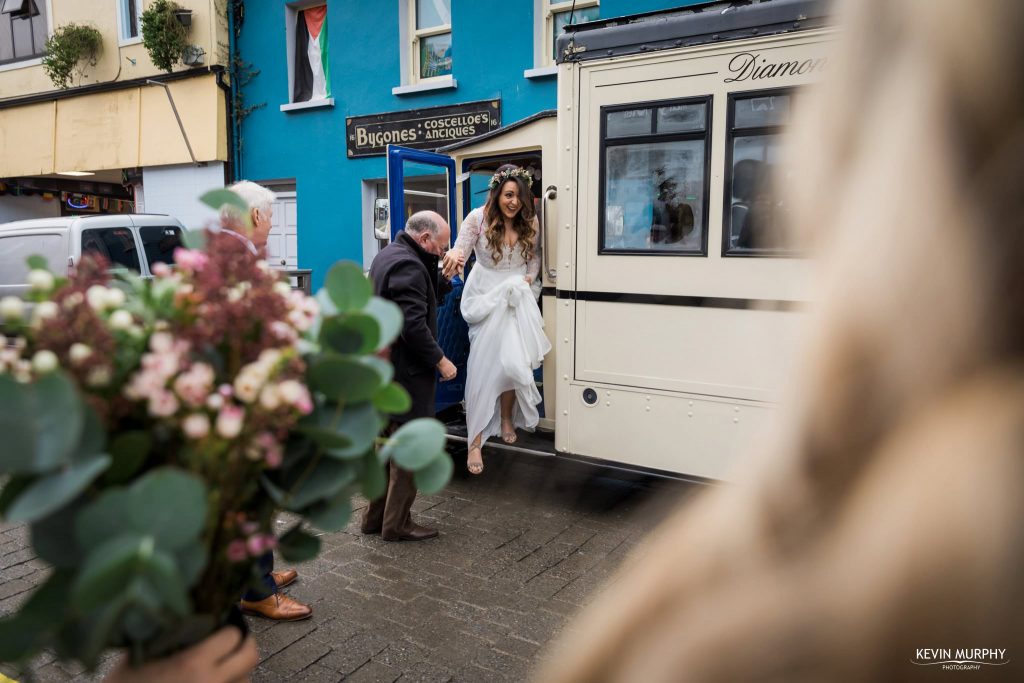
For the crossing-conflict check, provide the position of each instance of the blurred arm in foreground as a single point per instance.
(221, 658)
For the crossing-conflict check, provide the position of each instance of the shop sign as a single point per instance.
(426, 129)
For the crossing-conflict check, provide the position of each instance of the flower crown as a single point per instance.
(502, 176)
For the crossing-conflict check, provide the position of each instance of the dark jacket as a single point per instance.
(407, 275)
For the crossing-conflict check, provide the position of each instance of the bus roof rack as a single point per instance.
(708, 22)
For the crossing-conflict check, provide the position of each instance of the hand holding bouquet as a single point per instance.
(154, 427)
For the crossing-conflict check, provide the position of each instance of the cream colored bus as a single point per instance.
(671, 298)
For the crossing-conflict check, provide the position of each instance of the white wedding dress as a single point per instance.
(506, 332)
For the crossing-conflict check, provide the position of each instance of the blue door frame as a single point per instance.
(397, 156)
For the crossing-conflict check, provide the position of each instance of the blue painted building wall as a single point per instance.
(492, 45)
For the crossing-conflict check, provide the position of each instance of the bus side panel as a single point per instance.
(743, 354)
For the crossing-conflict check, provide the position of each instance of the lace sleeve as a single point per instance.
(469, 233)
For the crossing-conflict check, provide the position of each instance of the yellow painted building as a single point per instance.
(112, 136)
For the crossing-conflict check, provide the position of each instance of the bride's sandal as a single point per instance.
(508, 432)
(475, 467)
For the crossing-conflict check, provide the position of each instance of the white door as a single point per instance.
(283, 242)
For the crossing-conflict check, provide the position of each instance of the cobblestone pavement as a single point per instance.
(522, 548)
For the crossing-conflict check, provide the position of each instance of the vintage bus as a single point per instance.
(671, 297)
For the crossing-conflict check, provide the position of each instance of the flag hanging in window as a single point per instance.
(312, 75)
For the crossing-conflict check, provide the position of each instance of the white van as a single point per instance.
(131, 241)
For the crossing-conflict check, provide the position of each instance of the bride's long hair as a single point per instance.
(523, 223)
(887, 514)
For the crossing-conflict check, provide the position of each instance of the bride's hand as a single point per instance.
(452, 263)
(529, 280)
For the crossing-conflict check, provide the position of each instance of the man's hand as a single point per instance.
(447, 369)
(452, 263)
(222, 658)
(529, 279)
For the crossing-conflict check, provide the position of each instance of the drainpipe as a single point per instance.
(236, 128)
(229, 165)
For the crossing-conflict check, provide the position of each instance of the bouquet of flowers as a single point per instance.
(154, 427)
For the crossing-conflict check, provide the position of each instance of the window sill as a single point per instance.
(22, 64)
(541, 72)
(440, 84)
(311, 104)
(125, 42)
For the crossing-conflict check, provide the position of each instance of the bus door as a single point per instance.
(422, 181)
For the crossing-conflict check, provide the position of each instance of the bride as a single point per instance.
(499, 301)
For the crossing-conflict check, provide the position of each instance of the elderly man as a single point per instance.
(261, 210)
(405, 272)
(268, 601)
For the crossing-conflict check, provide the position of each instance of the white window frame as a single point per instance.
(409, 38)
(123, 38)
(544, 12)
(291, 11)
(33, 61)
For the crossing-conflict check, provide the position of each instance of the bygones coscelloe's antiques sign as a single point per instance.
(427, 128)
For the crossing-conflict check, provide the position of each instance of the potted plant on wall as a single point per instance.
(165, 33)
(69, 51)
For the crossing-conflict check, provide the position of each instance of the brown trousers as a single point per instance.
(389, 514)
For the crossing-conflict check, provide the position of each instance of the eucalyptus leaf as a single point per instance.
(325, 480)
(351, 333)
(109, 568)
(328, 438)
(374, 481)
(93, 438)
(194, 239)
(50, 492)
(393, 399)
(40, 422)
(344, 380)
(361, 423)
(298, 546)
(347, 286)
(389, 319)
(224, 198)
(128, 451)
(37, 262)
(415, 444)
(53, 537)
(381, 367)
(108, 515)
(12, 489)
(435, 475)
(331, 515)
(170, 505)
(191, 561)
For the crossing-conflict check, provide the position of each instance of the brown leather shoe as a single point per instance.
(278, 607)
(369, 530)
(285, 578)
(413, 532)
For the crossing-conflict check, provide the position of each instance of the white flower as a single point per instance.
(269, 398)
(247, 385)
(214, 401)
(290, 391)
(44, 361)
(40, 280)
(234, 295)
(229, 421)
(12, 308)
(115, 297)
(162, 404)
(161, 342)
(196, 425)
(22, 371)
(98, 377)
(283, 288)
(97, 297)
(269, 357)
(120, 319)
(44, 310)
(79, 353)
(263, 266)
(73, 300)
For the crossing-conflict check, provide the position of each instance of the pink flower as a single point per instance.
(225, 390)
(196, 425)
(190, 259)
(260, 543)
(229, 421)
(161, 342)
(162, 404)
(161, 269)
(249, 528)
(283, 331)
(296, 394)
(237, 551)
(193, 385)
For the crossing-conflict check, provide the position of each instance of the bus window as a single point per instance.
(755, 214)
(654, 178)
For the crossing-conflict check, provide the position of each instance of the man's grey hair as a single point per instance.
(256, 196)
(421, 222)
